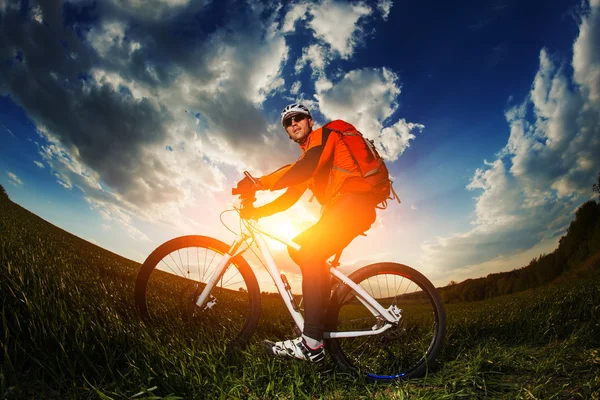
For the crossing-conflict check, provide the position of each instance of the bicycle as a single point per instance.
(385, 321)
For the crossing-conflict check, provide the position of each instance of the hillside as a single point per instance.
(69, 330)
(576, 257)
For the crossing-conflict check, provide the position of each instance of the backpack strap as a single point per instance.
(345, 171)
(374, 170)
(395, 195)
(351, 155)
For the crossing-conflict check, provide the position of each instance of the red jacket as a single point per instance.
(326, 167)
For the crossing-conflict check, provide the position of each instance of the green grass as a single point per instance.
(69, 330)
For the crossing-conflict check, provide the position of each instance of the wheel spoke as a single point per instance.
(204, 265)
(177, 265)
(168, 266)
(182, 271)
(231, 276)
(182, 264)
(402, 349)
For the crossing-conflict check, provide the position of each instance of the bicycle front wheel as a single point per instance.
(173, 276)
(404, 351)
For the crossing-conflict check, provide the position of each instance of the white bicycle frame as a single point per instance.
(388, 316)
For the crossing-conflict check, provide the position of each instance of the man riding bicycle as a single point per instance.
(328, 169)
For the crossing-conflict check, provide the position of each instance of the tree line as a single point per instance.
(581, 240)
(3, 193)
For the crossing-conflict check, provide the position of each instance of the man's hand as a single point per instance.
(246, 185)
(251, 213)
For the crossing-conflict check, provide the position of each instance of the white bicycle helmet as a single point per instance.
(293, 109)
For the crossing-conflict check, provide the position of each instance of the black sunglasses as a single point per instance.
(298, 117)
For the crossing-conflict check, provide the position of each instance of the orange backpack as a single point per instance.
(368, 161)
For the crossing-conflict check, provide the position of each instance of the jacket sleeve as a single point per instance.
(268, 181)
(283, 202)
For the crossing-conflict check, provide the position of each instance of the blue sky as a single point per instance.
(127, 123)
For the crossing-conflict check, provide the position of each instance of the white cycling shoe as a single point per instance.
(295, 348)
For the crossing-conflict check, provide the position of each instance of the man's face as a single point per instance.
(298, 127)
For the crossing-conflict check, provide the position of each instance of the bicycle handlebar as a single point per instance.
(247, 195)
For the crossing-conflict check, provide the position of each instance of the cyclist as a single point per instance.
(348, 211)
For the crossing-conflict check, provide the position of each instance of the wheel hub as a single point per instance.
(211, 302)
(397, 329)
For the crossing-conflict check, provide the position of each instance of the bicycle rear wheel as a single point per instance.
(404, 351)
(172, 278)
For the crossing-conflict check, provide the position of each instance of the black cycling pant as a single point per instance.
(349, 216)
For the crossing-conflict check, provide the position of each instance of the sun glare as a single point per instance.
(281, 226)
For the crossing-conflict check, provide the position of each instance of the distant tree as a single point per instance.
(581, 241)
(585, 219)
(3, 192)
(594, 242)
(573, 247)
(596, 186)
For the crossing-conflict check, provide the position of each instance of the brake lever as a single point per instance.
(247, 174)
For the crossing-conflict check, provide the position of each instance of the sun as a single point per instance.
(282, 226)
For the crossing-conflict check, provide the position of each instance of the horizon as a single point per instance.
(275, 292)
(128, 125)
(274, 246)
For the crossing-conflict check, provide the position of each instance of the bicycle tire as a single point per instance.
(402, 352)
(232, 306)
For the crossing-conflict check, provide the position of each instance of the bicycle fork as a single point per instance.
(280, 280)
(219, 270)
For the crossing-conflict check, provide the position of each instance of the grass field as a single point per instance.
(69, 330)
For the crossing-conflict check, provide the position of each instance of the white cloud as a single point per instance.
(156, 9)
(316, 56)
(265, 72)
(385, 6)
(119, 207)
(337, 27)
(342, 35)
(395, 139)
(107, 37)
(298, 12)
(295, 88)
(110, 212)
(367, 98)
(9, 131)
(39, 164)
(14, 179)
(490, 213)
(546, 170)
(586, 56)
(37, 14)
